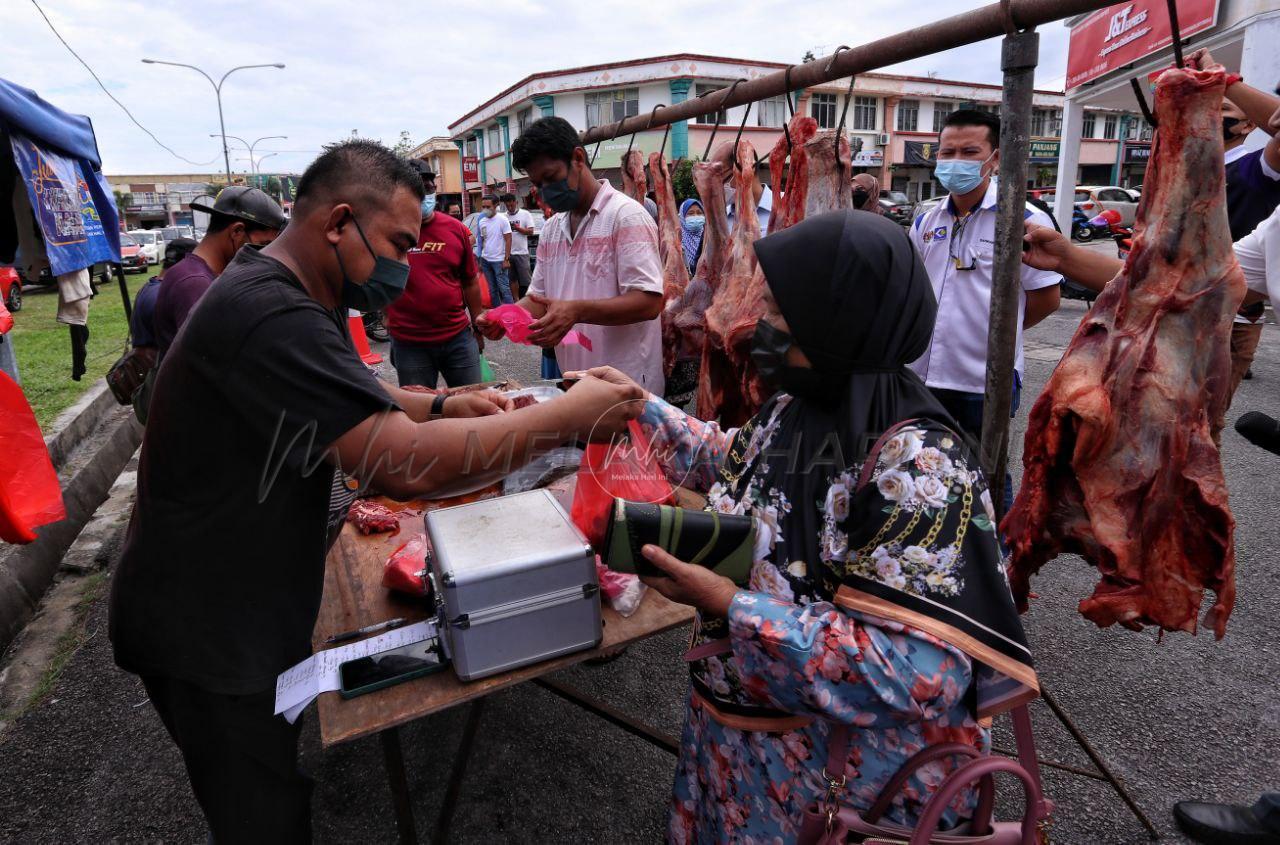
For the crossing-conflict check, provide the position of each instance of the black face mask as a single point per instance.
(1229, 125)
(860, 198)
(769, 347)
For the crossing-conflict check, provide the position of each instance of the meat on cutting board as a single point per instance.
(634, 183)
(1119, 463)
(369, 517)
(675, 275)
(789, 167)
(729, 388)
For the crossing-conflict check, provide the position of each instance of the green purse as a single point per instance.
(723, 543)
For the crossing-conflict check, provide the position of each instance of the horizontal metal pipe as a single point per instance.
(946, 34)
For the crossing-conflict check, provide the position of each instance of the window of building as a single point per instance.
(494, 143)
(1090, 125)
(941, 111)
(702, 90)
(1109, 127)
(908, 115)
(471, 147)
(771, 112)
(822, 108)
(1055, 123)
(1039, 122)
(864, 113)
(611, 106)
(1145, 132)
(523, 118)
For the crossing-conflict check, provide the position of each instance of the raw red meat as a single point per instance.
(634, 183)
(369, 517)
(689, 318)
(829, 188)
(525, 401)
(729, 388)
(675, 275)
(788, 207)
(1120, 465)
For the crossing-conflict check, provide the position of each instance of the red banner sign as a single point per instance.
(1120, 35)
(470, 169)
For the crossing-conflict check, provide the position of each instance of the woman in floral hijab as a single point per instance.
(880, 605)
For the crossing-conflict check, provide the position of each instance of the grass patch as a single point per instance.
(43, 345)
(70, 642)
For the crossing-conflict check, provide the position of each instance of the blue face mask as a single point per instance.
(385, 283)
(695, 224)
(428, 205)
(958, 176)
(559, 195)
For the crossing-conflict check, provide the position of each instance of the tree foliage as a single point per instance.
(682, 180)
(404, 145)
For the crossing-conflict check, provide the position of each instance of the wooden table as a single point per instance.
(354, 597)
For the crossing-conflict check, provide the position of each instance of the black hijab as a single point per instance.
(858, 302)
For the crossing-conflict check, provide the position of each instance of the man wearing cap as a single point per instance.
(237, 217)
(431, 332)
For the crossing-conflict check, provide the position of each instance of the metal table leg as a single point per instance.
(616, 717)
(459, 771)
(394, 760)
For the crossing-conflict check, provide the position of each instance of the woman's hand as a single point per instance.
(689, 584)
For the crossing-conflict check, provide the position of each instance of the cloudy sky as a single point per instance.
(379, 66)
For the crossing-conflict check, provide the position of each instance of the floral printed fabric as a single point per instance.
(794, 652)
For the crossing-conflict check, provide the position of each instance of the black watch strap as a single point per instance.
(437, 404)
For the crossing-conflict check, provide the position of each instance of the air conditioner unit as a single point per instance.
(883, 139)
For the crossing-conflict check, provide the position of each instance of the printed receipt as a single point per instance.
(299, 686)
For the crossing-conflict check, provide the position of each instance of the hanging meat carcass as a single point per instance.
(829, 187)
(788, 206)
(1120, 464)
(675, 275)
(634, 183)
(729, 388)
(689, 317)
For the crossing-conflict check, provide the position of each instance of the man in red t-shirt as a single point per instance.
(431, 332)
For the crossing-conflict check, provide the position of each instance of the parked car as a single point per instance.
(1093, 200)
(11, 288)
(131, 256)
(151, 242)
(898, 212)
(924, 207)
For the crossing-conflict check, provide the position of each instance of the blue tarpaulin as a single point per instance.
(56, 155)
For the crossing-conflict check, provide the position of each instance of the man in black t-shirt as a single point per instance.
(261, 412)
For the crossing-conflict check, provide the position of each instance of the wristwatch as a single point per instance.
(437, 405)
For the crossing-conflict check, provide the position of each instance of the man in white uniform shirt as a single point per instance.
(956, 240)
(598, 268)
(494, 233)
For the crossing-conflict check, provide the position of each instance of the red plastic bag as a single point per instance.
(486, 298)
(30, 495)
(625, 468)
(516, 321)
(406, 570)
(6, 319)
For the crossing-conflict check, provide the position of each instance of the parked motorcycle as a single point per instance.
(1085, 229)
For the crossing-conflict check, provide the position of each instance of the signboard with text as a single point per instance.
(1121, 35)
(868, 158)
(1137, 153)
(470, 169)
(1044, 152)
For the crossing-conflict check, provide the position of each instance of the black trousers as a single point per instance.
(242, 761)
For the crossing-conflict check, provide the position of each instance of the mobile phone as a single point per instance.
(387, 668)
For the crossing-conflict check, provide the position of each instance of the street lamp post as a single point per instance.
(249, 146)
(217, 89)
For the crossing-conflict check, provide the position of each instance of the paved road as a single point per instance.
(1185, 717)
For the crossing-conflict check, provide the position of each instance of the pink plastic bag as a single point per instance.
(30, 494)
(516, 321)
(623, 591)
(406, 570)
